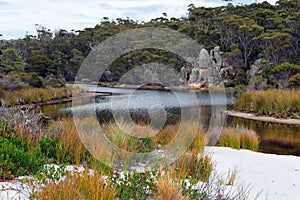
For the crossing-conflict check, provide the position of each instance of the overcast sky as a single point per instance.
(20, 16)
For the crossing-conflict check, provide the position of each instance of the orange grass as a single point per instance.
(78, 186)
(38, 95)
(277, 103)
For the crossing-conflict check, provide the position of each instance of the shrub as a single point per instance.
(169, 188)
(294, 81)
(195, 167)
(15, 159)
(133, 185)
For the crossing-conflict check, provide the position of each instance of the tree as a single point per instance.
(284, 72)
(41, 65)
(277, 46)
(243, 31)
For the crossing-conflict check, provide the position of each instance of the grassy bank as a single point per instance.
(276, 103)
(239, 138)
(38, 95)
(25, 153)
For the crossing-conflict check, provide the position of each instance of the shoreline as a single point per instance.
(252, 116)
(52, 102)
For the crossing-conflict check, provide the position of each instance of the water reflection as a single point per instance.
(136, 105)
(275, 138)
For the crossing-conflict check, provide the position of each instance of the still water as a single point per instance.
(169, 107)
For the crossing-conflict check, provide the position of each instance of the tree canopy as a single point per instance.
(245, 34)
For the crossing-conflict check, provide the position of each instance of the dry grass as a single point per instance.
(168, 187)
(277, 103)
(38, 95)
(237, 138)
(249, 140)
(198, 167)
(230, 138)
(70, 146)
(78, 186)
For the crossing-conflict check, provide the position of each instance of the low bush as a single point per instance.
(15, 159)
(294, 81)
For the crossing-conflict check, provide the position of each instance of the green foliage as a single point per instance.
(133, 185)
(40, 64)
(229, 138)
(48, 148)
(284, 67)
(51, 173)
(294, 81)
(32, 79)
(245, 33)
(15, 159)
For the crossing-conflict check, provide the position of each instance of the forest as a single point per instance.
(257, 33)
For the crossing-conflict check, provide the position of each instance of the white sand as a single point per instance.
(277, 176)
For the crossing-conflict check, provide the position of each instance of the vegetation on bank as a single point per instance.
(245, 33)
(23, 152)
(37, 95)
(239, 138)
(276, 103)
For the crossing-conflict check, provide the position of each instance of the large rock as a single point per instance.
(194, 77)
(184, 74)
(203, 75)
(216, 55)
(204, 60)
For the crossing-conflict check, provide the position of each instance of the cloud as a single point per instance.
(17, 17)
(5, 4)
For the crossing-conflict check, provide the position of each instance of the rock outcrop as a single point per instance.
(206, 69)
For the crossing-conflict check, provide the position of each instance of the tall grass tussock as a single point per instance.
(239, 138)
(78, 186)
(277, 103)
(37, 95)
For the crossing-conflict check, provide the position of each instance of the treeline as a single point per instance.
(245, 34)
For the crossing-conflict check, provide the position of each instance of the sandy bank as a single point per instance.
(262, 118)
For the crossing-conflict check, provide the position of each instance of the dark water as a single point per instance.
(169, 107)
(275, 138)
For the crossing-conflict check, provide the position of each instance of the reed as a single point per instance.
(38, 95)
(169, 187)
(249, 140)
(70, 148)
(78, 186)
(230, 138)
(238, 138)
(277, 103)
(194, 165)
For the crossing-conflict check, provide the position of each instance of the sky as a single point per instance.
(18, 17)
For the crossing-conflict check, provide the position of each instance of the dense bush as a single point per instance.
(294, 81)
(15, 159)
